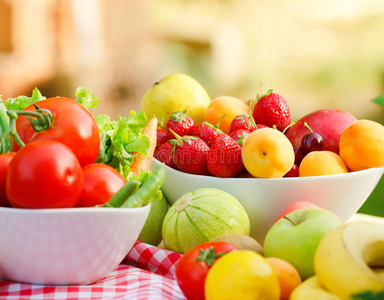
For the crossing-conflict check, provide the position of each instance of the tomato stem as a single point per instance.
(41, 119)
(208, 255)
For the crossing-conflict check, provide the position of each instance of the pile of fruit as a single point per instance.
(308, 253)
(62, 156)
(230, 138)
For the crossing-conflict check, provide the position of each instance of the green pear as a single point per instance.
(151, 233)
(176, 92)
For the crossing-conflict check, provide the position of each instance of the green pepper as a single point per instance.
(123, 194)
(149, 191)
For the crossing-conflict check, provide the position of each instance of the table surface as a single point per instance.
(147, 272)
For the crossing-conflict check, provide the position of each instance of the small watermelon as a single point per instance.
(201, 215)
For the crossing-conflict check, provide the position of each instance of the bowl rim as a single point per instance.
(285, 179)
(75, 210)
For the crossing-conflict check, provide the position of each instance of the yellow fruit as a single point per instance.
(225, 108)
(176, 92)
(349, 258)
(317, 163)
(362, 145)
(244, 275)
(311, 289)
(267, 153)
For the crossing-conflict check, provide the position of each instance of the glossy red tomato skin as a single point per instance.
(44, 174)
(5, 159)
(73, 126)
(191, 273)
(101, 182)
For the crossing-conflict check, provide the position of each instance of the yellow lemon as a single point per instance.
(244, 275)
(362, 145)
(267, 153)
(317, 163)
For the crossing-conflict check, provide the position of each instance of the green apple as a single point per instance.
(295, 237)
(151, 233)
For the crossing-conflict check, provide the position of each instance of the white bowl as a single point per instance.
(68, 246)
(264, 199)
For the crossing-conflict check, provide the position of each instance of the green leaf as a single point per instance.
(379, 100)
(368, 295)
(36, 96)
(21, 102)
(121, 140)
(85, 98)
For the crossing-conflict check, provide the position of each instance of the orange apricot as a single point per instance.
(362, 145)
(267, 153)
(289, 277)
(318, 163)
(225, 108)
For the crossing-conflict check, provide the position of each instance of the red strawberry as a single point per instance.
(207, 132)
(243, 121)
(181, 123)
(239, 135)
(190, 154)
(259, 126)
(163, 153)
(162, 136)
(224, 157)
(272, 110)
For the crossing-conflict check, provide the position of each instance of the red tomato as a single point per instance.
(72, 125)
(101, 182)
(4, 162)
(44, 174)
(192, 268)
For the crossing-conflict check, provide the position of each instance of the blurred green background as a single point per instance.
(317, 54)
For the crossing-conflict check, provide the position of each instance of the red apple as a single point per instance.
(296, 206)
(329, 123)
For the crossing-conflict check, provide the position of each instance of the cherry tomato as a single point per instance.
(72, 125)
(4, 162)
(192, 268)
(101, 182)
(44, 174)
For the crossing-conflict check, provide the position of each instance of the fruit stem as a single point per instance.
(306, 125)
(290, 220)
(250, 114)
(289, 126)
(208, 255)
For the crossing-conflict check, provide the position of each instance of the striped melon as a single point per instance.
(201, 215)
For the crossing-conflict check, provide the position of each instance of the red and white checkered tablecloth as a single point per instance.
(147, 272)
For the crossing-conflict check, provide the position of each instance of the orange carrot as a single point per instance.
(144, 162)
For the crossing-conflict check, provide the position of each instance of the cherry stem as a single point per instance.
(306, 125)
(289, 126)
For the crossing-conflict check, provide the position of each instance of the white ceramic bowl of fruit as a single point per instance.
(342, 164)
(66, 246)
(264, 199)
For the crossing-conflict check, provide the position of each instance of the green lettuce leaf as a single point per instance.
(85, 98)
(121, 140)
(21, 102)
